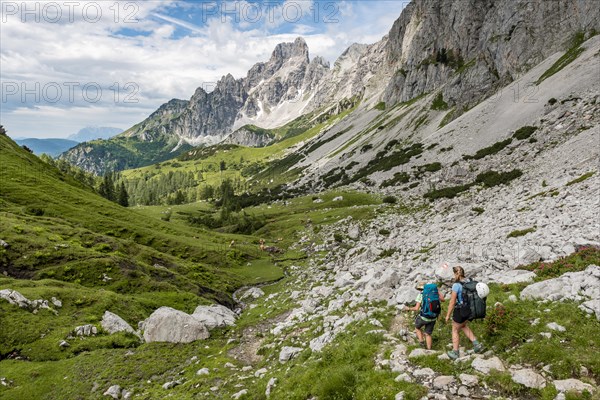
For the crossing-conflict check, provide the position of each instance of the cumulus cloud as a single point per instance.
(138, 55)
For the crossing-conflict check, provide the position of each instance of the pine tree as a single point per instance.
(123, 196)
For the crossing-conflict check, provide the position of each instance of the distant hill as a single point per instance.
(95, 132)
(52, 147)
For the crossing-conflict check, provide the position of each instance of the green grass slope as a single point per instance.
(67, 242)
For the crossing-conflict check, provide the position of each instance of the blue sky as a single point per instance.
(64, 66)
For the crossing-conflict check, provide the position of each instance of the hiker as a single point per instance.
(261, 244)
(428, 305)
(460, 315)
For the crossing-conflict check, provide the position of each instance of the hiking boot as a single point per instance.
(477, 347)
(453, 354)
(423, 345)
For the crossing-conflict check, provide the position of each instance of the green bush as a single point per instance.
(522, 232)
(390, 200)
(399, 177)
(524, 132)
(552, 101)
(338, 237)
(448, 192)
(380, 106)
(339, 385)
(384, 232)
(487, 151)
(581, 178)
(478, 210)
(577, 261)
(438, 103)
(493, 178)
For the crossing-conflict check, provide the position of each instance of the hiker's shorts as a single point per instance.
(419, 323)
(458, 315)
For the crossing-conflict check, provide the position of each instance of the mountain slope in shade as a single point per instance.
(52, 147)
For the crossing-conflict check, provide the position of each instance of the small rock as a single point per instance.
(442, 382)
(485, 366)
(399, 396)
(202, 371)
(464, 392)
(260, 373)
(57, 303)
(403, 378)
(126, 394)
(547, 335)
(423, 372)
(270, 385)
(239, 394)
(422, 352)
(170, 385)
(287, 353)
(555, 327)
(513, 298)
(338, 198)
(113, 391)
(64, 343)
(575, 385)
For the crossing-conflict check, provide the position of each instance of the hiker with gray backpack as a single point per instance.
(429, 306)
(467, 303)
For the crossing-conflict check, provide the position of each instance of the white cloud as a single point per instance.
(159, 59)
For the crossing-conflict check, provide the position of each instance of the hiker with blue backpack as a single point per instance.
(429, 306)
(467, 303)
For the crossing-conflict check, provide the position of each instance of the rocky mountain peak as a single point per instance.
(286, 51)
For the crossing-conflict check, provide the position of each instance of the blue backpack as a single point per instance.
(430, 306)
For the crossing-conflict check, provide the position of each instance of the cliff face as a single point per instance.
(466, 48)
(476, 46)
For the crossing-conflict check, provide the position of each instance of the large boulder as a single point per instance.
(570, 286)
(112, 323)
(574, 385)
(529, 378)
(214, 316)
(14, 297)
(169, 325)
(485, 366)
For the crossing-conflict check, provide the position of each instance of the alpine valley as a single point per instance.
(263, 240)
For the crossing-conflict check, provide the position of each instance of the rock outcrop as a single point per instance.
(169, 325)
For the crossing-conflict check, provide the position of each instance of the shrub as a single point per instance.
(525, 132)
(577, 261)
(399, 177)
(433, 167)
(493, 178)
(438, 103)
(339, 385)
(384, 232)
(522, 232)
(478, 210)
(448, 192)
(552, 101)
(366, 148)
(389, 200)
(581, 178)
(338, 237)
(380, 106)
(387, 253)
(487, 151)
